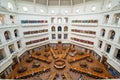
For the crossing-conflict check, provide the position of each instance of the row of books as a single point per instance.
(85, 21)
(83, 41)
(78, 25)
(36, 41)
(33, 21)
(35, 32)
(83, 31)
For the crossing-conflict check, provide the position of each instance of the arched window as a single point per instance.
(102, 33)
(2, 19)
(16, 32)
(65, 28)
(117, 18)
(108, 47)
(53, 28)
(100, 44)
(12, 19)
(52, 20)
(11, 48)
(111, 34)
(19, 44)
(7, 35)
(2, 52)
(59, 20)
(59, 28)
(65, 36)
(118, 53)
(59, 36)
(106, 18)
(53, 36)
(66, 20)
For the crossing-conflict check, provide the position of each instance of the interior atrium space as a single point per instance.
(60, 39)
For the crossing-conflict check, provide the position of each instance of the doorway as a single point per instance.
(15, 61)
(104, 61)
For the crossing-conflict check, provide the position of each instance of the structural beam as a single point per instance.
(71, 2)
(71, 6)
(102, 5)
(59, 3)
(84, 3)
(47, 4)
(34, 1)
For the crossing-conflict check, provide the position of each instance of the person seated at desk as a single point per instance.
(80, 78)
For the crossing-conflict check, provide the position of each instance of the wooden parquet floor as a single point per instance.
(54, 73)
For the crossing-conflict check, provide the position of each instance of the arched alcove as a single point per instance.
(2, 54)
(100, 43)
(106, 18)
(53, 36)
(59, 28)
(11, 48)
(107, 48)
(66, 19)
(52, 20)
(7, 35)
(116, 19)
(111, 34)
(102, 32)
(53, 28)
(2, 17)
(117, 53)
(59, 20)
(19, 44)
(16, 33)
(12, 19)
(65, 28)
(59, 36)
(65, 36)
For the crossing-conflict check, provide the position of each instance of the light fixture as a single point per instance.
(52, 11)
(0, 18)
(41, 10)
(10, 6)
(77, 10)
(118, 17)
(109, 5)
(93, 8)
(66, 11)
(25, 9)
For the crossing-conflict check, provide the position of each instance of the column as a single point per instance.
(7, 20)
(7, 51)
(106, 33)
(112, 51)
(3, 37)
(15, 46)
(111, 19)
(18, 59)
(103, 46)
(116, 38)
(12, 34)
(119, 21)
(101, 59)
